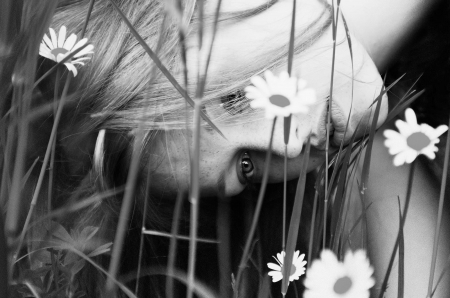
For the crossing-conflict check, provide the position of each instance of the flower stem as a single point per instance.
(439, 217)
(257, 212)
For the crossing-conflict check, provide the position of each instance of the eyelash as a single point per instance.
(246, 175)
(235, 103)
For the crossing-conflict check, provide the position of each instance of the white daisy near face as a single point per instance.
(56, 48)
(329, 278)
(297, 267)
(280, 96)
(412, 139)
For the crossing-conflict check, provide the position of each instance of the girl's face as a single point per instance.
(240, 158)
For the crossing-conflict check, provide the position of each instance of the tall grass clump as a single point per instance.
(69, 228)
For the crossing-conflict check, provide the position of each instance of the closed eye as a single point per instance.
(235, 103)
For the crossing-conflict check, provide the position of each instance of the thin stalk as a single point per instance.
(311, 231)
(3, 261)
(405, 211)
(439, 217)
(283, 243)
(141, 240)
(195, 197)
(195, 164)
(173, 246)
(444, 271)
(88, 16)
(53, 149)
(223, 234)
(287, 120)
(294, 224)
(251, 233)
(127, 203)
(401, 255)
(45, 162)
(335, 19)
(178, 237)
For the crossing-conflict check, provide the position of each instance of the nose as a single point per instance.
(342, 128)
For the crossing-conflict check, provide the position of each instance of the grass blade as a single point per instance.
(173, 245)
(223, 233)
(3, 261)
(45, 162)
(294, 225)
(439, 217)
(401, 254)
(251, 233)
(163, 69)
(141, 240)
(311, 233)
(405, 211)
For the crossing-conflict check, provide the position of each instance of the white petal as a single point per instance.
(72, 68)
(44, 48)
(261, 84)
(429, 153)
(277, 278)
(48, 42)
(258, 103)
(399, 159)
(271, 80)
(410, 155)
(274, 266)
(54, 38)
(410, 117)
(85, 51)
(438, 131)
(391, 134)
(79, 44)
(251, 92)
(393, 150)
(62, 36)
(46, 55)
(404, 128)
(70, 42)
(81, 59)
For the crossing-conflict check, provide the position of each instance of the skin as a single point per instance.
(248, 39)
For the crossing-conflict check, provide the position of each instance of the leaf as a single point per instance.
(100, 250)
(77, 266)
(70, 258)
(58, 231)
(88, 233)
(42, 256)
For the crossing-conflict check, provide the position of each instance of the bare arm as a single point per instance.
(386, 183)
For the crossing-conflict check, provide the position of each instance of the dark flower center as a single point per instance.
(342, 285)
(57, 51)
(279, 100)
(418, 141)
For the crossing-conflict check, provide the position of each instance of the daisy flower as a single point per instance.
(412, 139)
(56, 48)
(329, 278)
(297, 267)
(280, 96)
